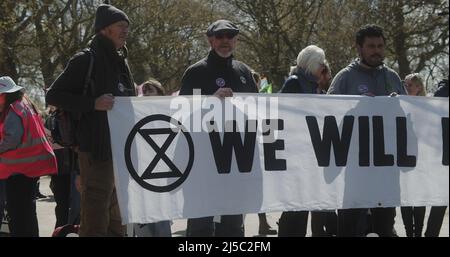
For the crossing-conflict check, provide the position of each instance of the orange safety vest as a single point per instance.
(34, 156)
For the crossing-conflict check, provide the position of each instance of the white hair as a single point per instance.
(311, 58)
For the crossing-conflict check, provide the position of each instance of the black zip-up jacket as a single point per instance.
(214, 72)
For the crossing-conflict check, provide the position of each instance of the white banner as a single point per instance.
(287, 152)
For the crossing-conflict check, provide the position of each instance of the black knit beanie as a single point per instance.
(106, 15)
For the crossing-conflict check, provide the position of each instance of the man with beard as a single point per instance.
(369, 76)
(220, 75)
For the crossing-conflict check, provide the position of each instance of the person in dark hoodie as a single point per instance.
(437, 213)
(220, 75)
(111, 76)
(367, 75)
(442, 90)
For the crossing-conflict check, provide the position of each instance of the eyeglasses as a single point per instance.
(222, 35)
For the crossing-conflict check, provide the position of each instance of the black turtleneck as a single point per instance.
(214, 72)
(215, 60)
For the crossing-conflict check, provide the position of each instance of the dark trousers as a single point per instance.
(229, 226)
(100, 214)
(323, 223)
(2, 201)
(20, 195)
(351, 222)
(354, 222)
(413, 218)
(435, 220)
(74, 209)
(293, 224)
(60, 186)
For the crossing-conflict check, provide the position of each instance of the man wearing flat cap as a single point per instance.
(75, 91)
(220, 75)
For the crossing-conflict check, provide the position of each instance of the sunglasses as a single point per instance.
(223, 35)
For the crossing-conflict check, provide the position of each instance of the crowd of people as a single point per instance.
(82, 178)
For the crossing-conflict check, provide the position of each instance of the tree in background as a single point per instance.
(13, 22)
(418, 33)
(61, 28)
(37, 38)
(166, 37)
(274, 31)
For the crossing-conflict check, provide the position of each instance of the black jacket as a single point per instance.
(214, 72)
(442, 91)
(300, 82)
(111, 74)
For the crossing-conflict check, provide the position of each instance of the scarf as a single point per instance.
(107, 67)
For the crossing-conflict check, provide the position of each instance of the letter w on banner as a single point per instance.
(187, 157)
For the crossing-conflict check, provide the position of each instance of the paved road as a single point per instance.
(46, 218)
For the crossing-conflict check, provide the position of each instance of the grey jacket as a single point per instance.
(358, 80)
(12, 132)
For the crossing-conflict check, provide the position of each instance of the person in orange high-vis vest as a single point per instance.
(25, 155)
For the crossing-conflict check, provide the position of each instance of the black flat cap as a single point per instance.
(222, 26)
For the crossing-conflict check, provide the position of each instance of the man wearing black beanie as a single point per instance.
(107, 15)
(104, 70)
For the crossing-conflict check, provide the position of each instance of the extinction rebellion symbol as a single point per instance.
(151, 178)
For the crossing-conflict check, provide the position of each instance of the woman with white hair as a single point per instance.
(312, 75)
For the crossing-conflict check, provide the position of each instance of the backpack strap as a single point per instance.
(87, 79)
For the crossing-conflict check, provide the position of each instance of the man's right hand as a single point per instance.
(224, 92)
(104, 102)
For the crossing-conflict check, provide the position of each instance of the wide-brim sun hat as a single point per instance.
(7, 85)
